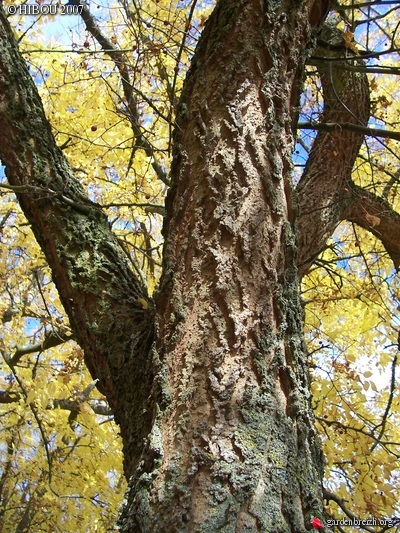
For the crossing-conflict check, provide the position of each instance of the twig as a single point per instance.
(389, 403)
(341, 503)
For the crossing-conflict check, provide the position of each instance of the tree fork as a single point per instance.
(108, 307)
(322, 197)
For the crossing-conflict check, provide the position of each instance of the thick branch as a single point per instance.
(326, 192)
(377, 216)
(108, 307)
(9, 397)
(321, 196)
(99, 407)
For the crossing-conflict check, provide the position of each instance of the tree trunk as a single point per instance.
(232, 444)
(233, 447)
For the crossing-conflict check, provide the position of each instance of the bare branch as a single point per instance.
(360, 68)
(148, 207)
(329, 496)
(347, 126)
(362, 54)
(377, 216)
(33, 408)
(52, 338)
(345, 427)
(389, 403)
(394, 178)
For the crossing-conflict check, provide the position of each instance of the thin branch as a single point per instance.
(334, 126)
(155, 207)
(49, 193)
(117, 56)
(359, 68)
(72, 51)
(394, 178)
(329, 496)
(178, 60)
(153, 106)
(20, 188)
(389, 403)
(53, 338)
(362, 54)
(369, 434)
(35, 415)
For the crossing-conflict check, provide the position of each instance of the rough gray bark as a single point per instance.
(233, 445)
